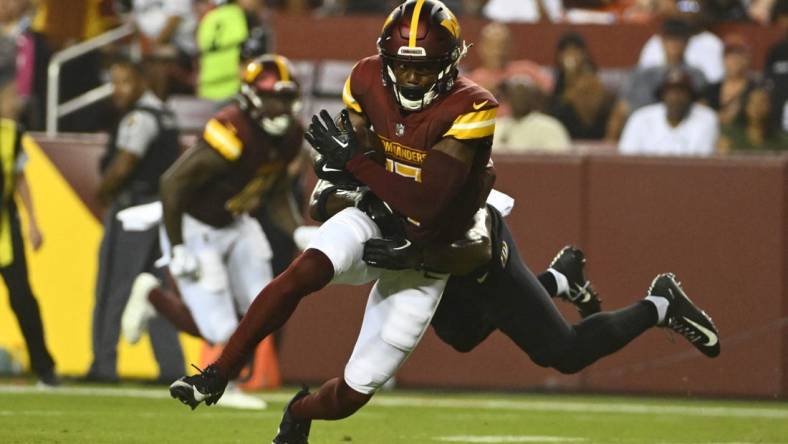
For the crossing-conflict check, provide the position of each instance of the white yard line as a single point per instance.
(108, 412)
(506, 438)
(454, 403)
(588, 407)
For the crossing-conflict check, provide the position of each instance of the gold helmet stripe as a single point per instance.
(414, 24)
(252, 70)
(451, 24)
(284, 73)
(388, 20)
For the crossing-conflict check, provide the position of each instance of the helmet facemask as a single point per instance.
(416, 98)
(258, 104)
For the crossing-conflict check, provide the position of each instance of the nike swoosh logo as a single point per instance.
(710, 335)
(326, 169)
(343, 145)
(483, 278)
(197, 395)
(476, 106)
(403, 246)
(582, 289)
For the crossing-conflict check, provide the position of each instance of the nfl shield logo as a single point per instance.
(399, 129)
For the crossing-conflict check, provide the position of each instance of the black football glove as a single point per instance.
(339, 177)
(393, 254)
(391, 225)
(336, 145)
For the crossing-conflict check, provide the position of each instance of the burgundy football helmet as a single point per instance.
(270, 94)
(421, 32)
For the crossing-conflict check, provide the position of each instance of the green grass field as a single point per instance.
(133, 414)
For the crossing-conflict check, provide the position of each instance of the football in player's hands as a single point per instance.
(336, 145)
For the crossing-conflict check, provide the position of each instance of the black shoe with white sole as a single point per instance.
(684, 317)
(207, 386)
(570, 262)
(293, 430)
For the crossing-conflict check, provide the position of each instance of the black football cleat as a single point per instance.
(48, 380)
(684, 317)
(207, 386)
(570, 262)
(292, 430)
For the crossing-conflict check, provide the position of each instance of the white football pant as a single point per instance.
(399, 308)
(235, 264)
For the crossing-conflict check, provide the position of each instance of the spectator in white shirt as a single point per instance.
(675, 126)
(528, 129)
(529, 11)
(170, 22)
(704, 49)
(168, 43)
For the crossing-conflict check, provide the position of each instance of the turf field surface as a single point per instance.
(133, 414)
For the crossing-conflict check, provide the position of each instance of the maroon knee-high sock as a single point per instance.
(169, 305)
(309, 272)
(334, 400)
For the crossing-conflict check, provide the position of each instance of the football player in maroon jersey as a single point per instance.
(436, 130)
(218, 254)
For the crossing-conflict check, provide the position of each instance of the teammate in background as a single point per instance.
(13, 184)
(143, 145)
(437, 128)
(218, 255)
(504, 295)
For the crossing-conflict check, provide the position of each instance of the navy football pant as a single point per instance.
(511, 299)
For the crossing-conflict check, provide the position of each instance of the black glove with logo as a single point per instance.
(393, 254)
(336, 145)
(341, 178)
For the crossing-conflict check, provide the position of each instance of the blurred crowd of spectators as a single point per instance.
(531, 11)
(687, 80)
(691, 92)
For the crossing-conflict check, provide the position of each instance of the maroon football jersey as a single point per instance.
(258, 159)
(466, 112)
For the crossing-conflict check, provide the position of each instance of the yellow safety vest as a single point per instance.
(219, 37)
(8, 144)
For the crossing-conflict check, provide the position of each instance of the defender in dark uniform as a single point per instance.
(504, 295)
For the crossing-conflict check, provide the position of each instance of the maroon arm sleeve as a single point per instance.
(443, 177)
